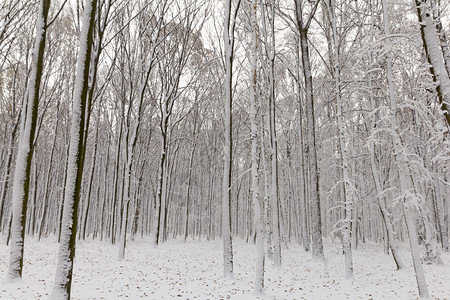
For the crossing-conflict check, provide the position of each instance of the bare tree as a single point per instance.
(303, 25)
(228, 37)
(256, 201)
(348, 183)
(28, 124)
(401, 162)
(270, 53)
(64, 269)
(147, 60)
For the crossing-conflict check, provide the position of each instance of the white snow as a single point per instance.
(194, 270)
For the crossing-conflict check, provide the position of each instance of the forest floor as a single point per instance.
(193, 270)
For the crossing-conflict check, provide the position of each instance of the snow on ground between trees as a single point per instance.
(193, 270)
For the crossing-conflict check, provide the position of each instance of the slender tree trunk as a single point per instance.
(388, 231)
(48, 176)
(306, 240)
(440, 211)
(266, 204)
(7, 175)
(105, 190)
(257, 207)
(138, 203)
(64, 269)
(390, 241)
(347, 185)
(10, 155)
(316, 222)
(270, 52)
(21, 184)
(162, 174)
(61, 206)
(401, 163)
(84, 216)
(130, 160)
(34, 204)
(228, 36)
(188, 187)
(116, 184)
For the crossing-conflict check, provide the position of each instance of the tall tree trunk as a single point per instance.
(388, 231)
(116, 184)
(316, 222)
(64, 268)
(21, 184)
(61, 205)
(306, 239)
(266, 205)
(402, 167)
(188, 187)
(228, 36)
(257, 207)
(162, 174)
(130, 159)
(270, 52)
(347, 184)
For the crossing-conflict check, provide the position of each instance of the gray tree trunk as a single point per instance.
(316, 222)
(402, 168)
(228, 36)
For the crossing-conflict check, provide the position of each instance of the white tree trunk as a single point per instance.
(21, 184)
(348, 184)
(266, 205)
(228, 36)
(7, 175)
(402, 170)
(443, 226)
(130, 155)
(431, 43)
(257, 207)
(64, 268)
(270, 52)
(383, 210)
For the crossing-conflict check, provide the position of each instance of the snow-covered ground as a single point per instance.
(193, 270)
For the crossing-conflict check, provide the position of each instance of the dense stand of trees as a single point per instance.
(275, 121)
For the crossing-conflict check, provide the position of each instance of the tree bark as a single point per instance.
(7, 175)
(434, 54)
(228, 36)
(270, 52)
(21, 184)
(347, 184)
(257, 207)
(316, 222)
(402, 168)
(64, 269)
(48, 176)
